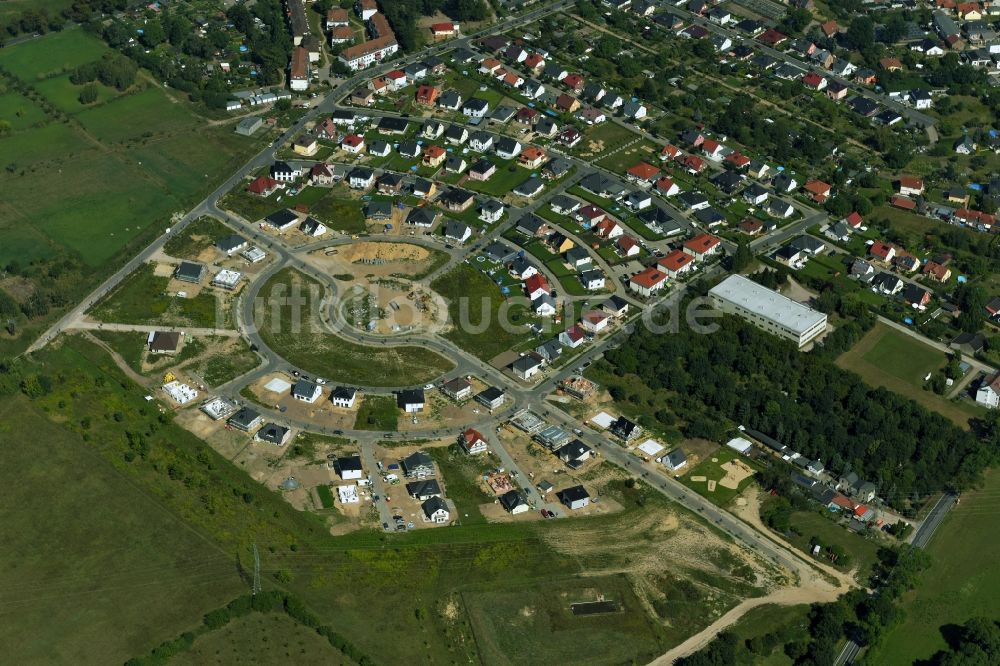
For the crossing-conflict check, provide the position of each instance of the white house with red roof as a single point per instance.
(676, 263)
(397, 79)
(648, 281)
(667, 187)
(473, 442)
(643, 173)
(353, 143)
(713, 150)
(590, 214)
(882, 251)
(263, 186)
(445, 30)
(853, 220)
(669, 152)
(702, 246)
(573, 337)
(537, 285)
(595, 321)
(608, 229)
(628, 246)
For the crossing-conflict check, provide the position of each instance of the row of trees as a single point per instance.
(741, 375)
(403, 16)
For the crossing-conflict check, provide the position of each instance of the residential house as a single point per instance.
(648, 281)
(410, 400)
(436, 511)
(575, 498)
(343, 397)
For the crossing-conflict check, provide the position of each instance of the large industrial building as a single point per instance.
(768, 309)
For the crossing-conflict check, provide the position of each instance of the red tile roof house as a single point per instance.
(643, 173)
(574, 82)
(608, 228)
(434, 155)
(693, 164)
(444, 30)
(882, 251)
(936, 271)
(472, 441)
(669, 152)
(595, 321)
(712, 149)
(676, 263)
(628, 246)
(750, 226)
(647, 282)
(853, 220)
(534, 62)
(904, 203)
(973, 217)
(263, 186)
(426, 95)
(814, 81)
(353, 143)
(667, 187)
(737, 159)
(910, 186)
(573, 337)
(771, 37)
(702, 246)
(567, 103)
(818, 190)
(537, 285)
(531, 157)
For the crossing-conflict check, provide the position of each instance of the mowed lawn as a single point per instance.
(87, 553)
(963, 580)
(891, 359)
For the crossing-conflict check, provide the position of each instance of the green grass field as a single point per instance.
(20, 111)
(377, 412)
(149, 110)
(962, 582)
(310, 346)
(218, 368)
(809, 525)
(331, 206)
(109, 546)
(65, 95)
(142, 298)
(52, 54)
(886, 357)
(475, 303)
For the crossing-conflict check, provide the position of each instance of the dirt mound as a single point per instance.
(383, 252)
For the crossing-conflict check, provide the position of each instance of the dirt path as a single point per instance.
(119, 361)
(785, 596)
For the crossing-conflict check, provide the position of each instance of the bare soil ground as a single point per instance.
(322, 412)
(443, 412)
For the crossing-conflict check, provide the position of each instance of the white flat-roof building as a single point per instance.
(768, 310)
(254, 254)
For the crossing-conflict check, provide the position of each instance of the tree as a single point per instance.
(861, 33)
(89, 94)
(743, 256)
(153, 34)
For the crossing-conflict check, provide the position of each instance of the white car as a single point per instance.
(428, 387)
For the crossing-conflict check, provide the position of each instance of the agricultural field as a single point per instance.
(157, 586)
(476, 301)
(961, 583)
(308, 346)
(127, 163)
(889, 358)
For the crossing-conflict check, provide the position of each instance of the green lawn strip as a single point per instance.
(377, 412)
(461, 474)
(308, 345)
(483, 305)
(325, 496)
(142, 298)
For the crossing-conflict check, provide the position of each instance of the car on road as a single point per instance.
(320, 381)
(385, 526)
(428, 387)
